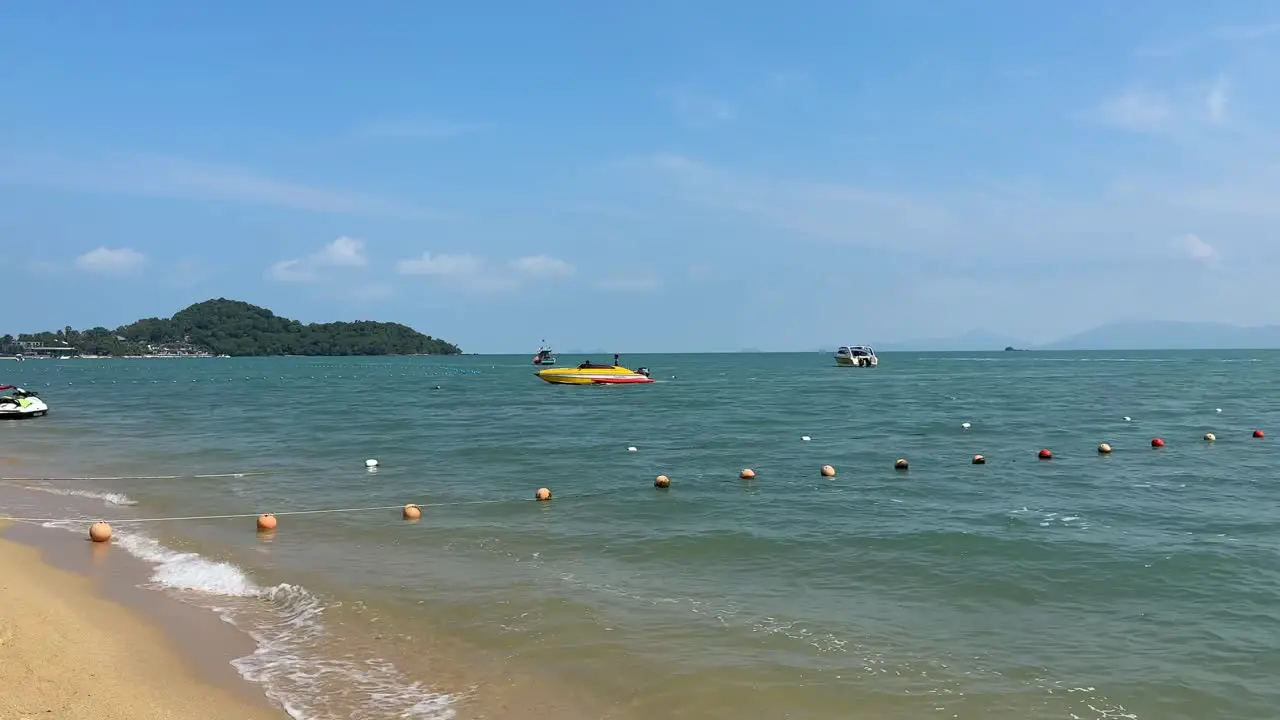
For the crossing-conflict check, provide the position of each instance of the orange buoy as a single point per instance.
(99, 532)
(828, 471)
(662, 481)
(901, 464)
(412, 512)
(266, 521)
(1258, 434)
(1210, 437)
(1045, 454)
(1104, 449)
(747, 474)
(979, 460)
(1157, 443)
(542, 494)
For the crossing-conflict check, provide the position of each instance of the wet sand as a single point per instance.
(68, 650)
(484, 684)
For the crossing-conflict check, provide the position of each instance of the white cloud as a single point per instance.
(444, 265)
(111, 261)
(1222, 35)
(1121, 204)
(1196, 249)
(1185, 112)
(542, 266)
(169, 177)
(1216, 102)
(292, 271)
(698, 109)
(342, 252)
(471, 273)
(1136, 111)
(828, 211)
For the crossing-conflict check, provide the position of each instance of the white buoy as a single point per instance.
(1218, 410)
(371, 463)
(1126, 418)
(632, 449)
(964, 425)
(805, 438)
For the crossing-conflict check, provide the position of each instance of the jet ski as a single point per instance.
(17, 404)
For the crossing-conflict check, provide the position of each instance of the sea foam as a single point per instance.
(285, 622)
(109, 498)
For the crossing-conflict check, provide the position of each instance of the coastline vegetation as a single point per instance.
(236, 328)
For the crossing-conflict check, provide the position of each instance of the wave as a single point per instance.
(286, 623)
(109, 498)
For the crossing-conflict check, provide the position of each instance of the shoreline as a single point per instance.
(80, 639)
(218, 637)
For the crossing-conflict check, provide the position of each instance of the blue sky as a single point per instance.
(644, 176)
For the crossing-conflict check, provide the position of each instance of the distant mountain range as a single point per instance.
(1151, 335)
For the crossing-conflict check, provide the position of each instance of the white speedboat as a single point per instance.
(544, 356)
(17, 404)
(856, 356)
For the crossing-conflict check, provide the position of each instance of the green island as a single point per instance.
(233, 328)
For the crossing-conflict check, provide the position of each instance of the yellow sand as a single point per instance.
(66, 653)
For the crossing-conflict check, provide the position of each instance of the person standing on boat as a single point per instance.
(615, 359)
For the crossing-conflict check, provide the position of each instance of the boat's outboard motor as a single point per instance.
(643, 371)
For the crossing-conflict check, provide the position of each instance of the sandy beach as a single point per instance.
(68, 653)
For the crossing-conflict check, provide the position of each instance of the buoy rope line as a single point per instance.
(256, 378)
(135, 477)
(321, 511)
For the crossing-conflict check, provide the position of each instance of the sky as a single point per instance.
(657, 176)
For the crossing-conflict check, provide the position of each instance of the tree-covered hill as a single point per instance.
(232, 327)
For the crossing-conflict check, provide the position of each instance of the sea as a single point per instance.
(1140, 584)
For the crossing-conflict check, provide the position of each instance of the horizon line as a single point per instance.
(878, 352)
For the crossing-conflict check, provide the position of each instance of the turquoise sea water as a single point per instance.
(1143, 584)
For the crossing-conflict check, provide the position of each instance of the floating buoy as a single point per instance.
(99, 532)
(1126, 418)
(1104, 449)
(747, 474)
(266, 521)
(804, 438)
(1258, 434)
(1157, 443)
(412, 512)
(901, 464)
(631, 448)
(1045, 454)
(979, 460)
(542, 494)
(371, 463)
(828, 471)
(1217, 409)
(964, 425)
(1210, 437)
(662, 481)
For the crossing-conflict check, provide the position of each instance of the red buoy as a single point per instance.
(1045, 454)
(1259, 433)
(1157, 443)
